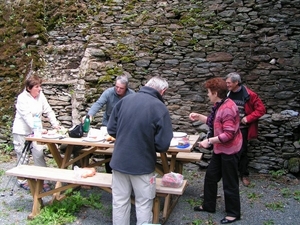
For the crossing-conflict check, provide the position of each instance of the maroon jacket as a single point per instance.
(254, 109)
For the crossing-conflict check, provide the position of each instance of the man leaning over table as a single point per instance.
(109, 99)
(31, 102)
(142, 126)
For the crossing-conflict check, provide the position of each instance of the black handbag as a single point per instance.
(76, 132)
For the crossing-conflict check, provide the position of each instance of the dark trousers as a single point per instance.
(244, 161)
(225, 167)
(107, 166)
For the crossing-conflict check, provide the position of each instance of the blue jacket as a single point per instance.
(142, 126)
(108, 98)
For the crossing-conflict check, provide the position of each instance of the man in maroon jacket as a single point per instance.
(251, 108)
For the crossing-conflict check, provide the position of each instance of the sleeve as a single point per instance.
(113, 120)
(164, 133)
(24, 111)
(258, 108)
(102, 100)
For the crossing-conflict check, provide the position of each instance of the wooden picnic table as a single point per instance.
(170, 200)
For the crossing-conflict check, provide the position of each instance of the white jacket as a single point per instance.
(26, 108)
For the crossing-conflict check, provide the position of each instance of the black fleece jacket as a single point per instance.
(142, 126)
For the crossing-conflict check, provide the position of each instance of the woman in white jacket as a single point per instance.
(31, 102)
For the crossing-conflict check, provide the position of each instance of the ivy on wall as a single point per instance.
(23, 28)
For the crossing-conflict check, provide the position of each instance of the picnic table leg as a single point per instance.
(55, 153)
(63, 165)
(166, 206)
(156, 210)
(164, 162)
(36, 187)
(173, 162)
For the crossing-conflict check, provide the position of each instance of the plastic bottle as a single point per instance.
(86, 124)
(37, 126)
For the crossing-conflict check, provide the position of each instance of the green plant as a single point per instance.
(275, 205)
(277, 174)
(286, 192)
(268, 222)
(194, 202)
(2, 172)
(6, 148)
(254, 196)
(198, 222)
(297, 195)
(62, 212)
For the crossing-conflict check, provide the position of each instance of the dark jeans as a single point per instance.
(225, 167)
(107, 166)
(244, 161)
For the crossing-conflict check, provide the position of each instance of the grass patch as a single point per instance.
(253, 196)
(275, 206)
(297, 195)
(286, 193)
(63, 212)
(194, 202)
(268, 222)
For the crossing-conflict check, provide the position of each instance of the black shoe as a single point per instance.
(225, 221)
(200, 209)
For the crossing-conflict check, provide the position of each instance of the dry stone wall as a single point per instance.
(186, 42)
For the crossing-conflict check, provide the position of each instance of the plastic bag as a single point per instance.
(172, 179)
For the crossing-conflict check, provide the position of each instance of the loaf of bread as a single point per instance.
(110, 138)
(88, 172)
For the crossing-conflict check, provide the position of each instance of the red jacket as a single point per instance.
(254, 109)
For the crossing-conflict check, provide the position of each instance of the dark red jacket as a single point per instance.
(254, 109)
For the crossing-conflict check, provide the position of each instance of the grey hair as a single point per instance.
(158, 83)
(235, 77)
(123, 79)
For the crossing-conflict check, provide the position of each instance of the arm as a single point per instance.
(102, 100)
(254, 108)
(197, 116)
(46, 108)
(164, 133)
(24, 111)
(112, 123)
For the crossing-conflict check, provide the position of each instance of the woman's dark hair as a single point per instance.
(32, 81)
(217, 85)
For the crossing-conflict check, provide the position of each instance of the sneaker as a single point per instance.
(25, 186)
(246, 181)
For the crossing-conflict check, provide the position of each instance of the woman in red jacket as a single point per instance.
(226, 139)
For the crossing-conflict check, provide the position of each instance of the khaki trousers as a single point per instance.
(144, 189)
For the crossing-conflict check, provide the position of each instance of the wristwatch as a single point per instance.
(208, 141)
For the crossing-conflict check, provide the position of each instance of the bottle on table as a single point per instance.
(86, 124)
(37, 126)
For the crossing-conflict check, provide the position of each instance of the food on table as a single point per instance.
(110, 138)
(51, 132)
(88, 172)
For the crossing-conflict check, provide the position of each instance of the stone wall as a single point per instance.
(186, 42)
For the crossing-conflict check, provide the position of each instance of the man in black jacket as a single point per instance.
(142, 126)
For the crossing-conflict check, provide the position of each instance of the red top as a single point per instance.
(226, 127)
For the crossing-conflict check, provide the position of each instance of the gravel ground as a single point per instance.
(264, 190)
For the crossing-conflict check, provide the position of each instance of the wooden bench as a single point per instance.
(181, 157)
(36, 176)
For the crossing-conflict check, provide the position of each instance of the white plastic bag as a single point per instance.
(172, 179)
